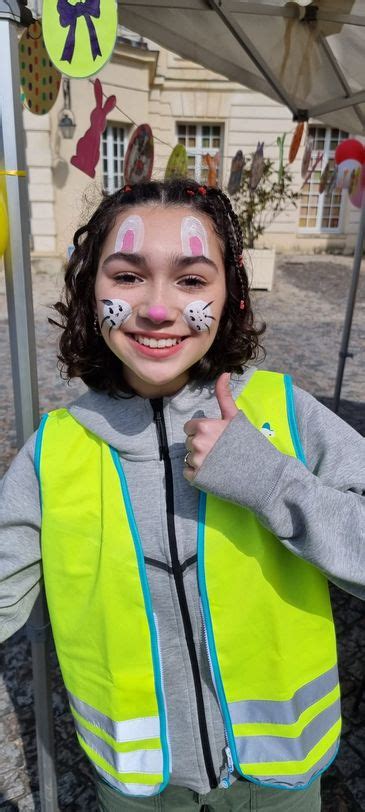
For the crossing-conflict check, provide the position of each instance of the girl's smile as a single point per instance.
(156, 345)
(159, 285)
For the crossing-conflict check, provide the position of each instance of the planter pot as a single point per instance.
(261, 267)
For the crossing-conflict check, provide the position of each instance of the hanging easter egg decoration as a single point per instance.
(177, 165)
(345, 173)
(88, 146)
(332, 181)
(235, 176)
(349, 156)
(296, 142)
(138, 162)
(307, 156)
(313, 167)
(212, 162)
(39, 79)
(80, 37)
(257, 166)
(325, 177)
(355, 181)
(357, 188)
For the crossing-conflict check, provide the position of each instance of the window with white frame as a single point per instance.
(113, 145)
(321, 212)
(199, 140)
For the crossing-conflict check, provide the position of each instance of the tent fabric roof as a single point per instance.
(309, 56)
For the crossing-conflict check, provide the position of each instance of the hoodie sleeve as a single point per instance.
(316, 510)
(20, 519)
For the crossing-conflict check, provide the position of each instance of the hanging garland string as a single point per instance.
(229, 157)
(134, 122)
(166, 144)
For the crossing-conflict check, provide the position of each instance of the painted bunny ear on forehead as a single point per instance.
(130, 235)
(193, 237)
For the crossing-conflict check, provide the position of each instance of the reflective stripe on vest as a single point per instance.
(110, 739)
(273, 662)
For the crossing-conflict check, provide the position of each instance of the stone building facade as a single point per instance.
(184, 102)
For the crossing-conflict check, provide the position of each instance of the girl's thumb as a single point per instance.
(224, 397)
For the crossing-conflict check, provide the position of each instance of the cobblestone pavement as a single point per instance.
(304, 312)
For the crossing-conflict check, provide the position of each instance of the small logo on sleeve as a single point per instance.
(267, 430)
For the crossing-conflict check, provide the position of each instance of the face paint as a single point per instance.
(157, 313)
(193, 237)
(130, 235)
(198, 315)
(115, 313)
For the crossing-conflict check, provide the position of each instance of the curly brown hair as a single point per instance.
(84, 353)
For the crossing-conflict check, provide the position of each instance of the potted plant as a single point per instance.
(263, 193)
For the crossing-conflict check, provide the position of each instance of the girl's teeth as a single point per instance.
(157, 343)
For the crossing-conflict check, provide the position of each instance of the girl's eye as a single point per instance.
(192, 281)
(127, 278)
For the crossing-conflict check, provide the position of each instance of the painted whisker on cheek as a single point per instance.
(196, 315)
(115, 313)
(209, 315)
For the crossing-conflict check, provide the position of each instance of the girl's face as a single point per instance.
(155, 262)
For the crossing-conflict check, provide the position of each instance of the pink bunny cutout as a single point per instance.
(88, 146)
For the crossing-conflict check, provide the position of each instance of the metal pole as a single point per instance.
(23, 357)
(343, 353)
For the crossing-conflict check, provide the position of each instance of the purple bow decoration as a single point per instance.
(69, 15)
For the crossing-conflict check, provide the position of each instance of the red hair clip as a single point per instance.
(202, 190)
(127, 189)
(190, 192)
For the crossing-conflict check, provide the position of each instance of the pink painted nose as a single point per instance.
(157, 313)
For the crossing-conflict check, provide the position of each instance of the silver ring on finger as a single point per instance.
(186, 460)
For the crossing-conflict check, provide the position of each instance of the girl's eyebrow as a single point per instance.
(178, 261)
(181, 261)
(135, 259)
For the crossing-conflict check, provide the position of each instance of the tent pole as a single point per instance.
(243, 39)
(343, 353)
(23, 358)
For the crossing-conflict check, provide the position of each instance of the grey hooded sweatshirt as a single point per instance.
(317, 511)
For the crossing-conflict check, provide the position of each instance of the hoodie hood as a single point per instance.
(127, 423)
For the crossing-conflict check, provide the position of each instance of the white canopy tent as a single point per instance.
(306, 56)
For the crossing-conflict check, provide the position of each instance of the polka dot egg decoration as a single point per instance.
(39, 79)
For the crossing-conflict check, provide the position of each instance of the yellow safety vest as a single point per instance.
(266, 615)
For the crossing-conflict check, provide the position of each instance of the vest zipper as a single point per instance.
(158, 417)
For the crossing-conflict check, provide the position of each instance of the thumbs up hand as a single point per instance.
(203, 433)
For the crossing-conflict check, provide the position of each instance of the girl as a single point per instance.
(191, 509)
